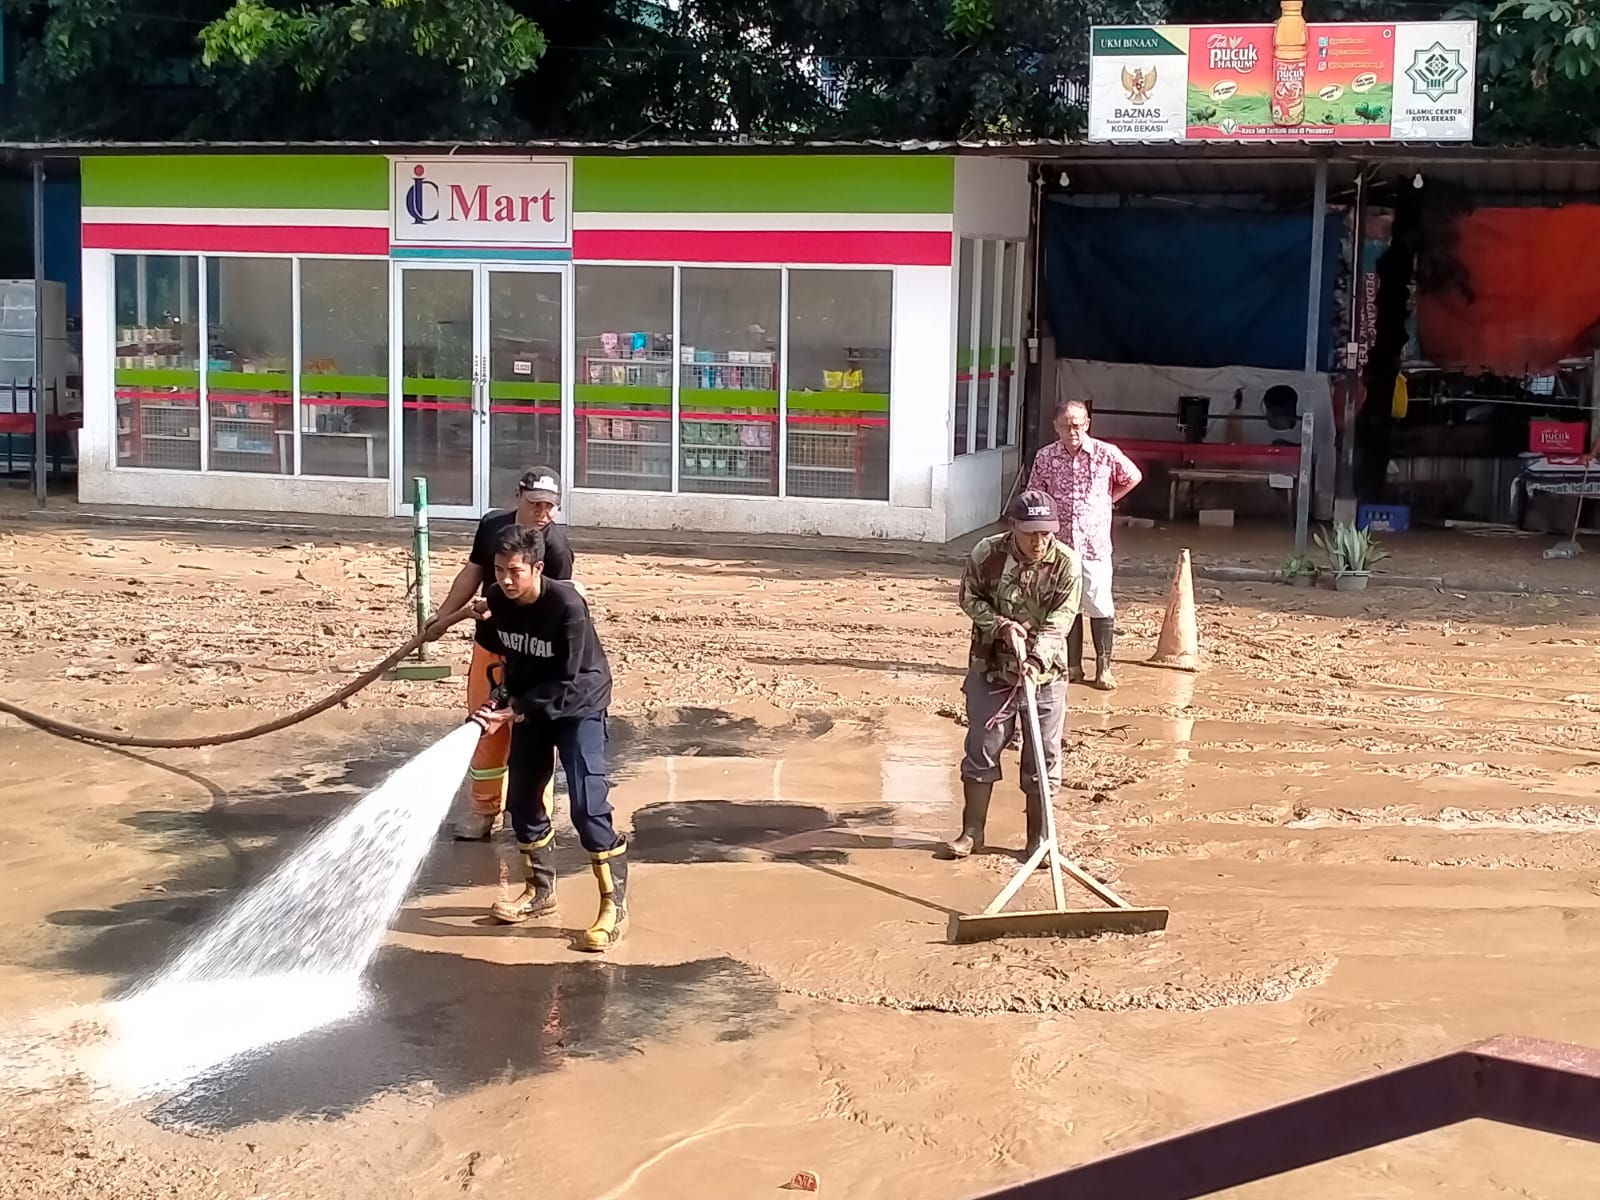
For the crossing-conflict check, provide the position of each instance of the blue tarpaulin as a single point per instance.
(1188, 288)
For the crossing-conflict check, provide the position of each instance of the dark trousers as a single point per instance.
(581, 742)
(997, 704)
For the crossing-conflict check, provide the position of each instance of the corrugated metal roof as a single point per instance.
(1515, 173)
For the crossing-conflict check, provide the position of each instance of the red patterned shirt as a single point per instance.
(1081, 485)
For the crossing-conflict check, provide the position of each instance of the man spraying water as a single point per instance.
(554, 695)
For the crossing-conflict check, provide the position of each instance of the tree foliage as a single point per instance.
(622, 69)
(447, 63)
(1539, 64)
(404, 70)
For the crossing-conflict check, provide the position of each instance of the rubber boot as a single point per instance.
(1104, 632)
(1075, 652)
(974, 815)
(611, 873)
(1035, 819)
(538, 898)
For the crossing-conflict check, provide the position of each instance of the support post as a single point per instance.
(419, 555)
(1344, 491)
(420, 667)
(1319, 225)
(40, 428)
(1594, 405)
(1302, 491)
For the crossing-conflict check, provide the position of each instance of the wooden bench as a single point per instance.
(1181, 477)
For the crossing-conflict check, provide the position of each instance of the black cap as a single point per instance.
(540, 483)
(1034, 512)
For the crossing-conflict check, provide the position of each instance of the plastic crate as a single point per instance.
(1384, 518)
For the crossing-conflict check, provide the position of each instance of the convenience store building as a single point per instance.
(747, 342)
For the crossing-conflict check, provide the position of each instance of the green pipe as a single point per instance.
(419, 552)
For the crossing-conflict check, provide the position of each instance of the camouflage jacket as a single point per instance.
(1043, 598)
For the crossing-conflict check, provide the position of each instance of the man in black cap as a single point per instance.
(1022, 589)
(538, 498)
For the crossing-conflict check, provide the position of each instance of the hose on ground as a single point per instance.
(78, 733)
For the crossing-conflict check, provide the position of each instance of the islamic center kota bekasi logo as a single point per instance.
(1437, 72)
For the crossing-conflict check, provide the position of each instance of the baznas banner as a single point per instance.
(1291, 81)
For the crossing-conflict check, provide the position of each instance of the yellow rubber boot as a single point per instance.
(611, 873)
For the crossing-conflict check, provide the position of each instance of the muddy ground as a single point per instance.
(1376, 820)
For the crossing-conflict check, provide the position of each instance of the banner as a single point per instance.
(1291, 81)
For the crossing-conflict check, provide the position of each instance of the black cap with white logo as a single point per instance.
(1034, 512)
(540, 483)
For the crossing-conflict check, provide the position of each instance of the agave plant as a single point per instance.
(1296, 565)
(1350, 551)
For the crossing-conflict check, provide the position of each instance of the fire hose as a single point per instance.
(78, 733)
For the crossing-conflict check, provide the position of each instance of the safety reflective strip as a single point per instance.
(539, 845)
(488, 772)
(620, 848)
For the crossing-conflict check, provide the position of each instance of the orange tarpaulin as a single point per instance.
(1536, 291)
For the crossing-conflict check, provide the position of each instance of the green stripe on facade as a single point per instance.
(437, 389)
(816, 183)
(344, 385)
(342, 181)
(525, 391)
(156, 377)
(255, 381)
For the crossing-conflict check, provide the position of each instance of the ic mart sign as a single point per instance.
(481, 202)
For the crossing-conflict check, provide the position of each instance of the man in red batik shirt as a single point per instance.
(1086, 477)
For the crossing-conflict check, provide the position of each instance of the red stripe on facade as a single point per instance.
(243, 239)
(887, 248)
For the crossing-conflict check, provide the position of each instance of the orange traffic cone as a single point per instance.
(1178, 646)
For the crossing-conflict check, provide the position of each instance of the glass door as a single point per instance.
(440, 417)
(525, 351)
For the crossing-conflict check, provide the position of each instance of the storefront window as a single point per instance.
(1008, 377)
(966, 382)
(728, 391)
(156, 374)
(623, 395)
(344, 367)
(988, 342)
(838, 383)
(250, 345)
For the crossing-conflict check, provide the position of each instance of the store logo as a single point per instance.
(479, 201)
(1228, 53)
(474, 203)
(1436, 72)
(1139, 83)
(422, 198)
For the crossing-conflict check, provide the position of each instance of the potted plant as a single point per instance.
(1352, 554)
(1298, 571)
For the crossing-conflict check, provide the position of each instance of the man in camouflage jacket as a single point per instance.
(1022, 589)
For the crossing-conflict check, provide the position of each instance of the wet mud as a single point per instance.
(1375, 821)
